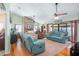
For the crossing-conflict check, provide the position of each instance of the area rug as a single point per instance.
(52, 48)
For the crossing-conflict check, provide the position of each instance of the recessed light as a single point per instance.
(33, 16)
(19, 7)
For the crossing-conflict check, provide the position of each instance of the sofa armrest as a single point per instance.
(65, 38)
(38, 45)
(36, 49)
(39, 42)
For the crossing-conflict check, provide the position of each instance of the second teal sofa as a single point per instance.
(58, 36)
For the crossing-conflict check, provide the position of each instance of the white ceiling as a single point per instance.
(44, 12)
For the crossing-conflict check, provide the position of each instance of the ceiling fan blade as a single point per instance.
(60, 14)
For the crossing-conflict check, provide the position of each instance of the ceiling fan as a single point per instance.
(58, 14)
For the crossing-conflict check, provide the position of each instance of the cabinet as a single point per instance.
(74, 51)
(41, 35)
(2, 41)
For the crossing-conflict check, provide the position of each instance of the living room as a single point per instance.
(40, 29)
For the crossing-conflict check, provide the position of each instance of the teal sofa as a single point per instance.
(34, 46)
(58, 36)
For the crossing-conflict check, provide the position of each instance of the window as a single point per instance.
(18, 28)
(55, 27)
(64, 27)
(50, 27)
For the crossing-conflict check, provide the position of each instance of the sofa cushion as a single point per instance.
(62, 35)
(56, 37)
(65, 32)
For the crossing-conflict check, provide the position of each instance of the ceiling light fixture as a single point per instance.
(56, 16)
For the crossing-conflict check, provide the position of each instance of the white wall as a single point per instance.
(7, 34)
(2, 17)
(16, 19)
(7, 31)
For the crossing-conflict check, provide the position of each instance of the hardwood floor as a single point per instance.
(65, 52)
(18, 49)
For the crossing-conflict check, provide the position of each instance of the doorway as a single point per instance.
(2, 31)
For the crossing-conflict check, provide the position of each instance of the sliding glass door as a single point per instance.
(66, 27)
(63, 26)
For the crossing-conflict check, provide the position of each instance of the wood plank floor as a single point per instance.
(65, 52)
(18, 49)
